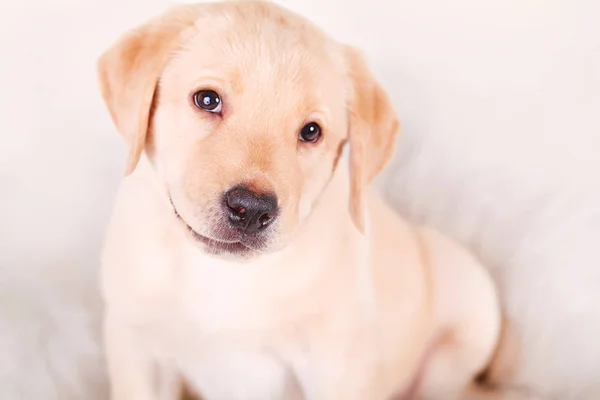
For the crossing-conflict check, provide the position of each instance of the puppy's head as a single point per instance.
(243, 110)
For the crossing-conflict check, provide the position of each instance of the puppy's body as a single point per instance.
(364, 307)
(310, 302)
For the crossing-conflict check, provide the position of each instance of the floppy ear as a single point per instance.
(129, 72)
(373, 129)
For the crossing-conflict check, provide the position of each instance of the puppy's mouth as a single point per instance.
(216, 246)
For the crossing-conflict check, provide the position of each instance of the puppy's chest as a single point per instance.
(220, 324)
(202, 313)
(223, 326)
(225, 341)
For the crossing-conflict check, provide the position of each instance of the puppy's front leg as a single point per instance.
(132, 373)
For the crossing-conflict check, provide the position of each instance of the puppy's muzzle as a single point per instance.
(249, 211)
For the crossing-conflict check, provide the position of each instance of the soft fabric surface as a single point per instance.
(499, 149)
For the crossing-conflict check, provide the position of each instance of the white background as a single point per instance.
(500, 103)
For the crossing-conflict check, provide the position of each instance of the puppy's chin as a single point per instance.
(238, 248)
(239, 251)
(235, 251)
(232, 250)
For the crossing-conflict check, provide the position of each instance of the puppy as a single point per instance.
(244, 259)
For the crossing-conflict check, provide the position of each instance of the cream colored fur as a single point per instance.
(343, 299)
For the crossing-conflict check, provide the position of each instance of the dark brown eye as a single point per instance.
(208, 100)
(311, 132)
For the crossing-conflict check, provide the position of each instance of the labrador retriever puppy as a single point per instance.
(244, 259)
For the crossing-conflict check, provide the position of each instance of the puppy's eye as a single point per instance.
(311, 132)
(208, 100)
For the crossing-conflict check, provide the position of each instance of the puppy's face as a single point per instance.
(248, 117)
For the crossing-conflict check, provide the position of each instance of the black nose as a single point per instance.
(248, 210)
